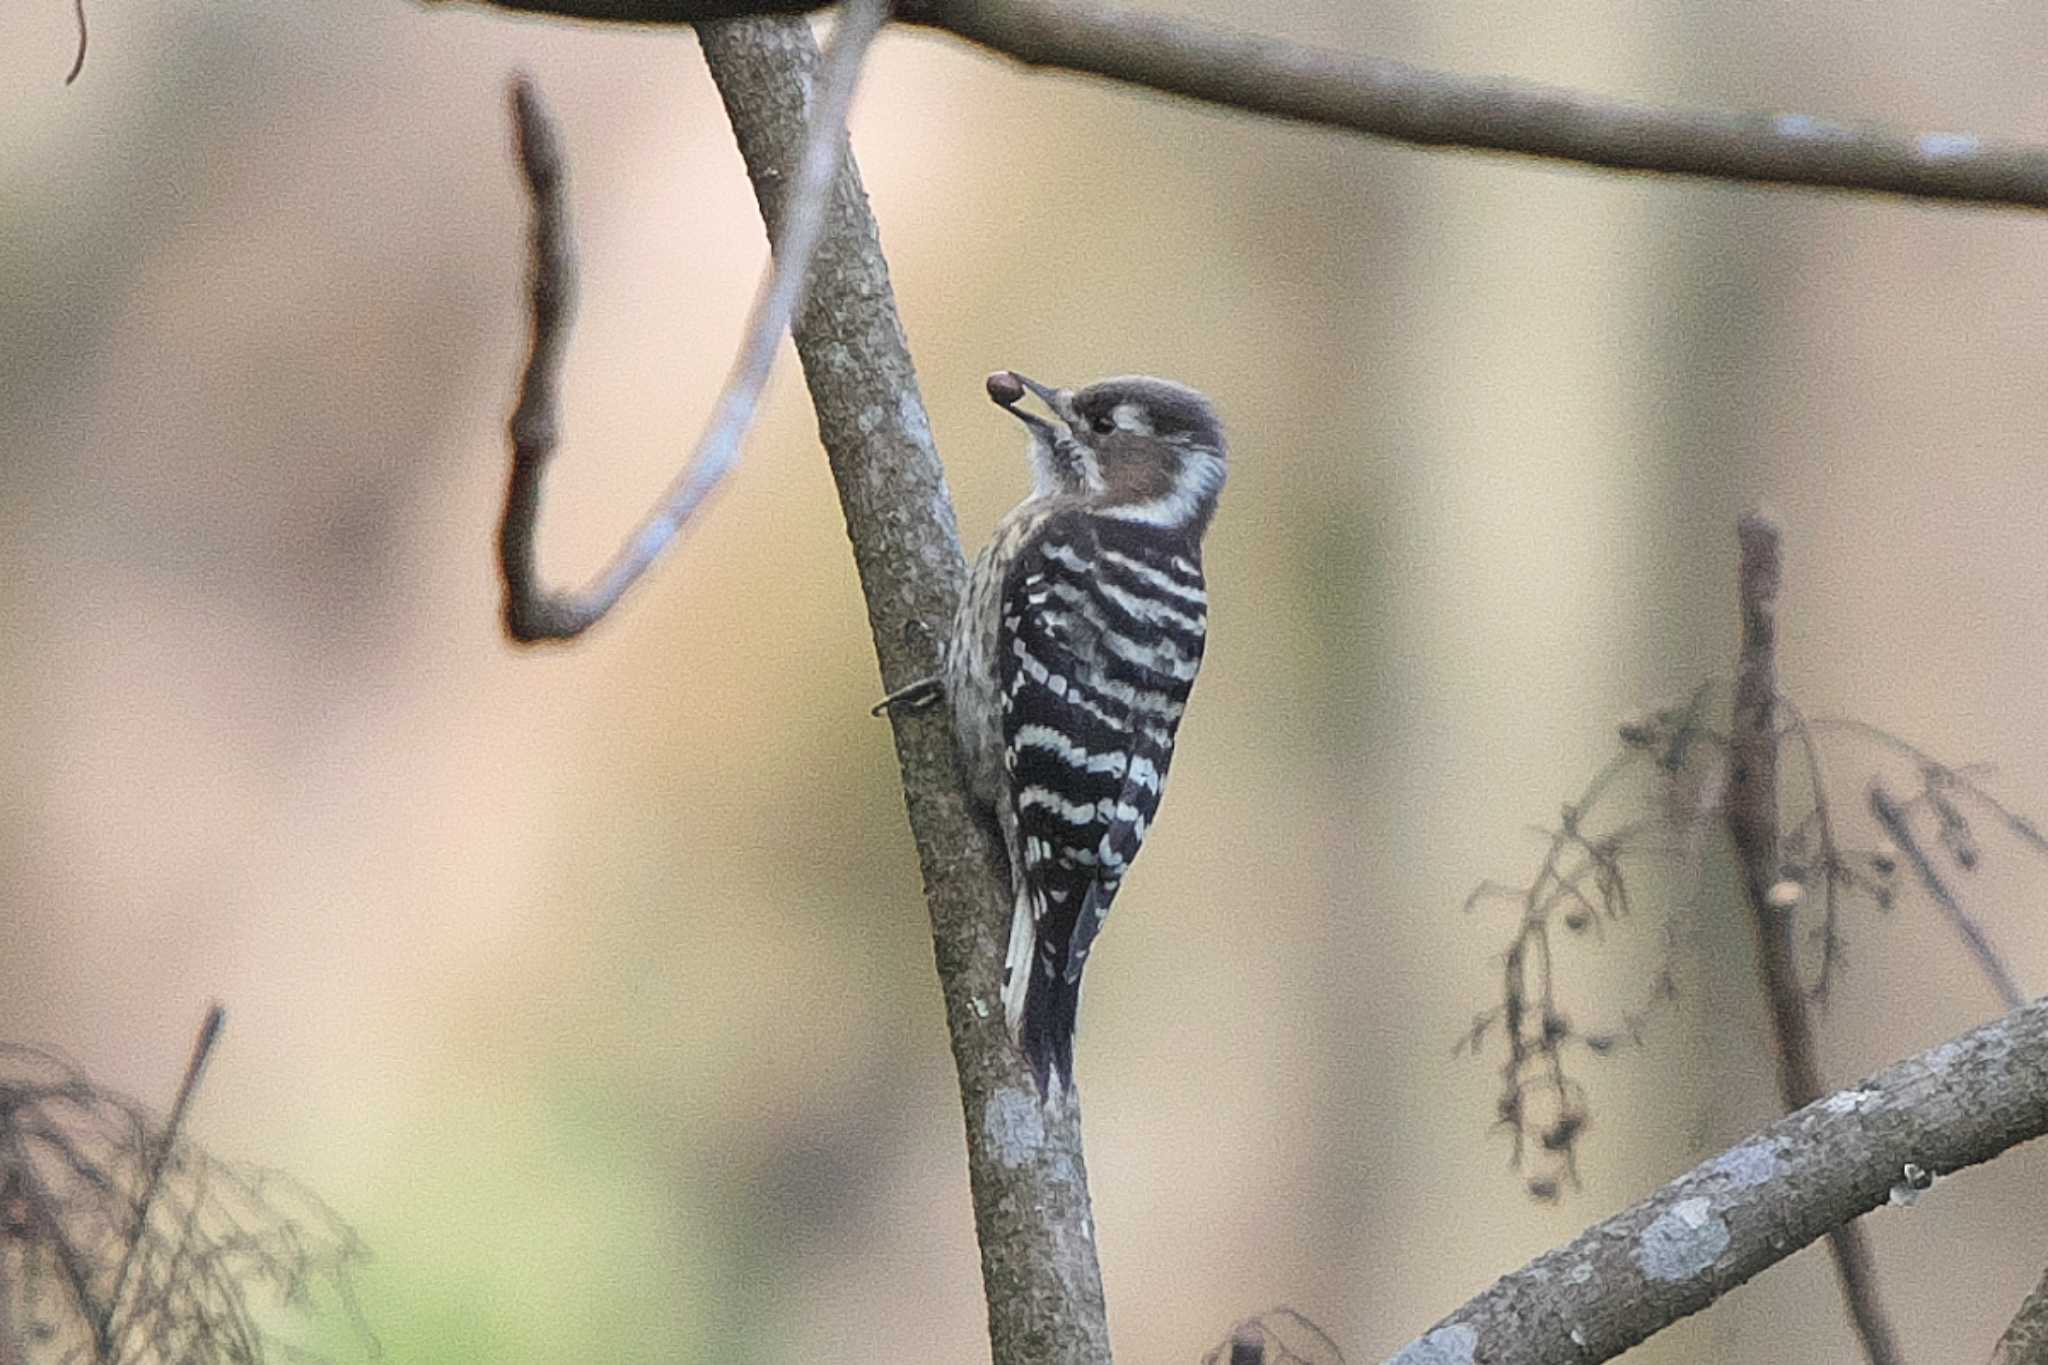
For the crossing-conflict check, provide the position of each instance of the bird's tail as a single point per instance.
(1039, 1003)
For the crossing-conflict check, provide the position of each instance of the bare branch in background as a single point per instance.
(1940, 783)
(1278, 1336)
(1024, 1162)
(1811, 851)
(1893, 818)
(1581, 888)
(1753, 828)
(1412, 104)
(2025, 1341)
(121, 1240)
(1947, 795)
(164, 1142)
(532, 613)
(1699, 777)
(78, 62)
(1734, 1216)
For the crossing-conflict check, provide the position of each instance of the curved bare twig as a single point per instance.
(78, 62)
(531, 612)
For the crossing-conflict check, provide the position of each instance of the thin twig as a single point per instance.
(166, 1142)
(78, 62)
(1994, 967)
(1583, 881)
(532, 613)
(1753, 827)
(1832, 864)
(1743, 1211)
(2025, 1339)
(1934, 770)
(47, 1228)
(1258, 1341)
(1415, 105)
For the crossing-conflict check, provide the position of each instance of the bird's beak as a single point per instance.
(1006, 388)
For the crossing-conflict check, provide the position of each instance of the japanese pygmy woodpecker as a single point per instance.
(1070, 663)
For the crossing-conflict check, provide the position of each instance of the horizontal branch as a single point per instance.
(1412, 104)
(1742, 1212)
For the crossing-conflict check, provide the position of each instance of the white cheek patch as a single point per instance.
(1131, 417)
(1198, 481)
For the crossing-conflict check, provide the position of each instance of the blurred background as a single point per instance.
(593, 984)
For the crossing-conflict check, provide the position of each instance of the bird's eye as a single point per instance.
(1104, 424)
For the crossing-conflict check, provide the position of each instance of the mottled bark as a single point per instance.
(1757, 1203)
(1753, 827)
(1024, 1163)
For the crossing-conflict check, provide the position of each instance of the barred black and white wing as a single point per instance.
(1101, 634)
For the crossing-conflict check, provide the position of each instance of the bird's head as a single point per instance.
(1134, 448)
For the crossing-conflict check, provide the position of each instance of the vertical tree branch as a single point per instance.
(1753, 827)
(1025, 1166)
(1753, 807)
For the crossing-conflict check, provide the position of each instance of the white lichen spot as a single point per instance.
(1453, 1345)
(1578, 1336)
(1948, 1054)
(1948, 146)
(1687, 1238)
(1785, 895)
(1753, 1163)
(1807, 126)
(1582, 1273)
(871, 417)
(1015, 1125)
(1990, 1044)
(911, 415)
(981, 1009)
(1914, 1181)
(1849, 1101)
